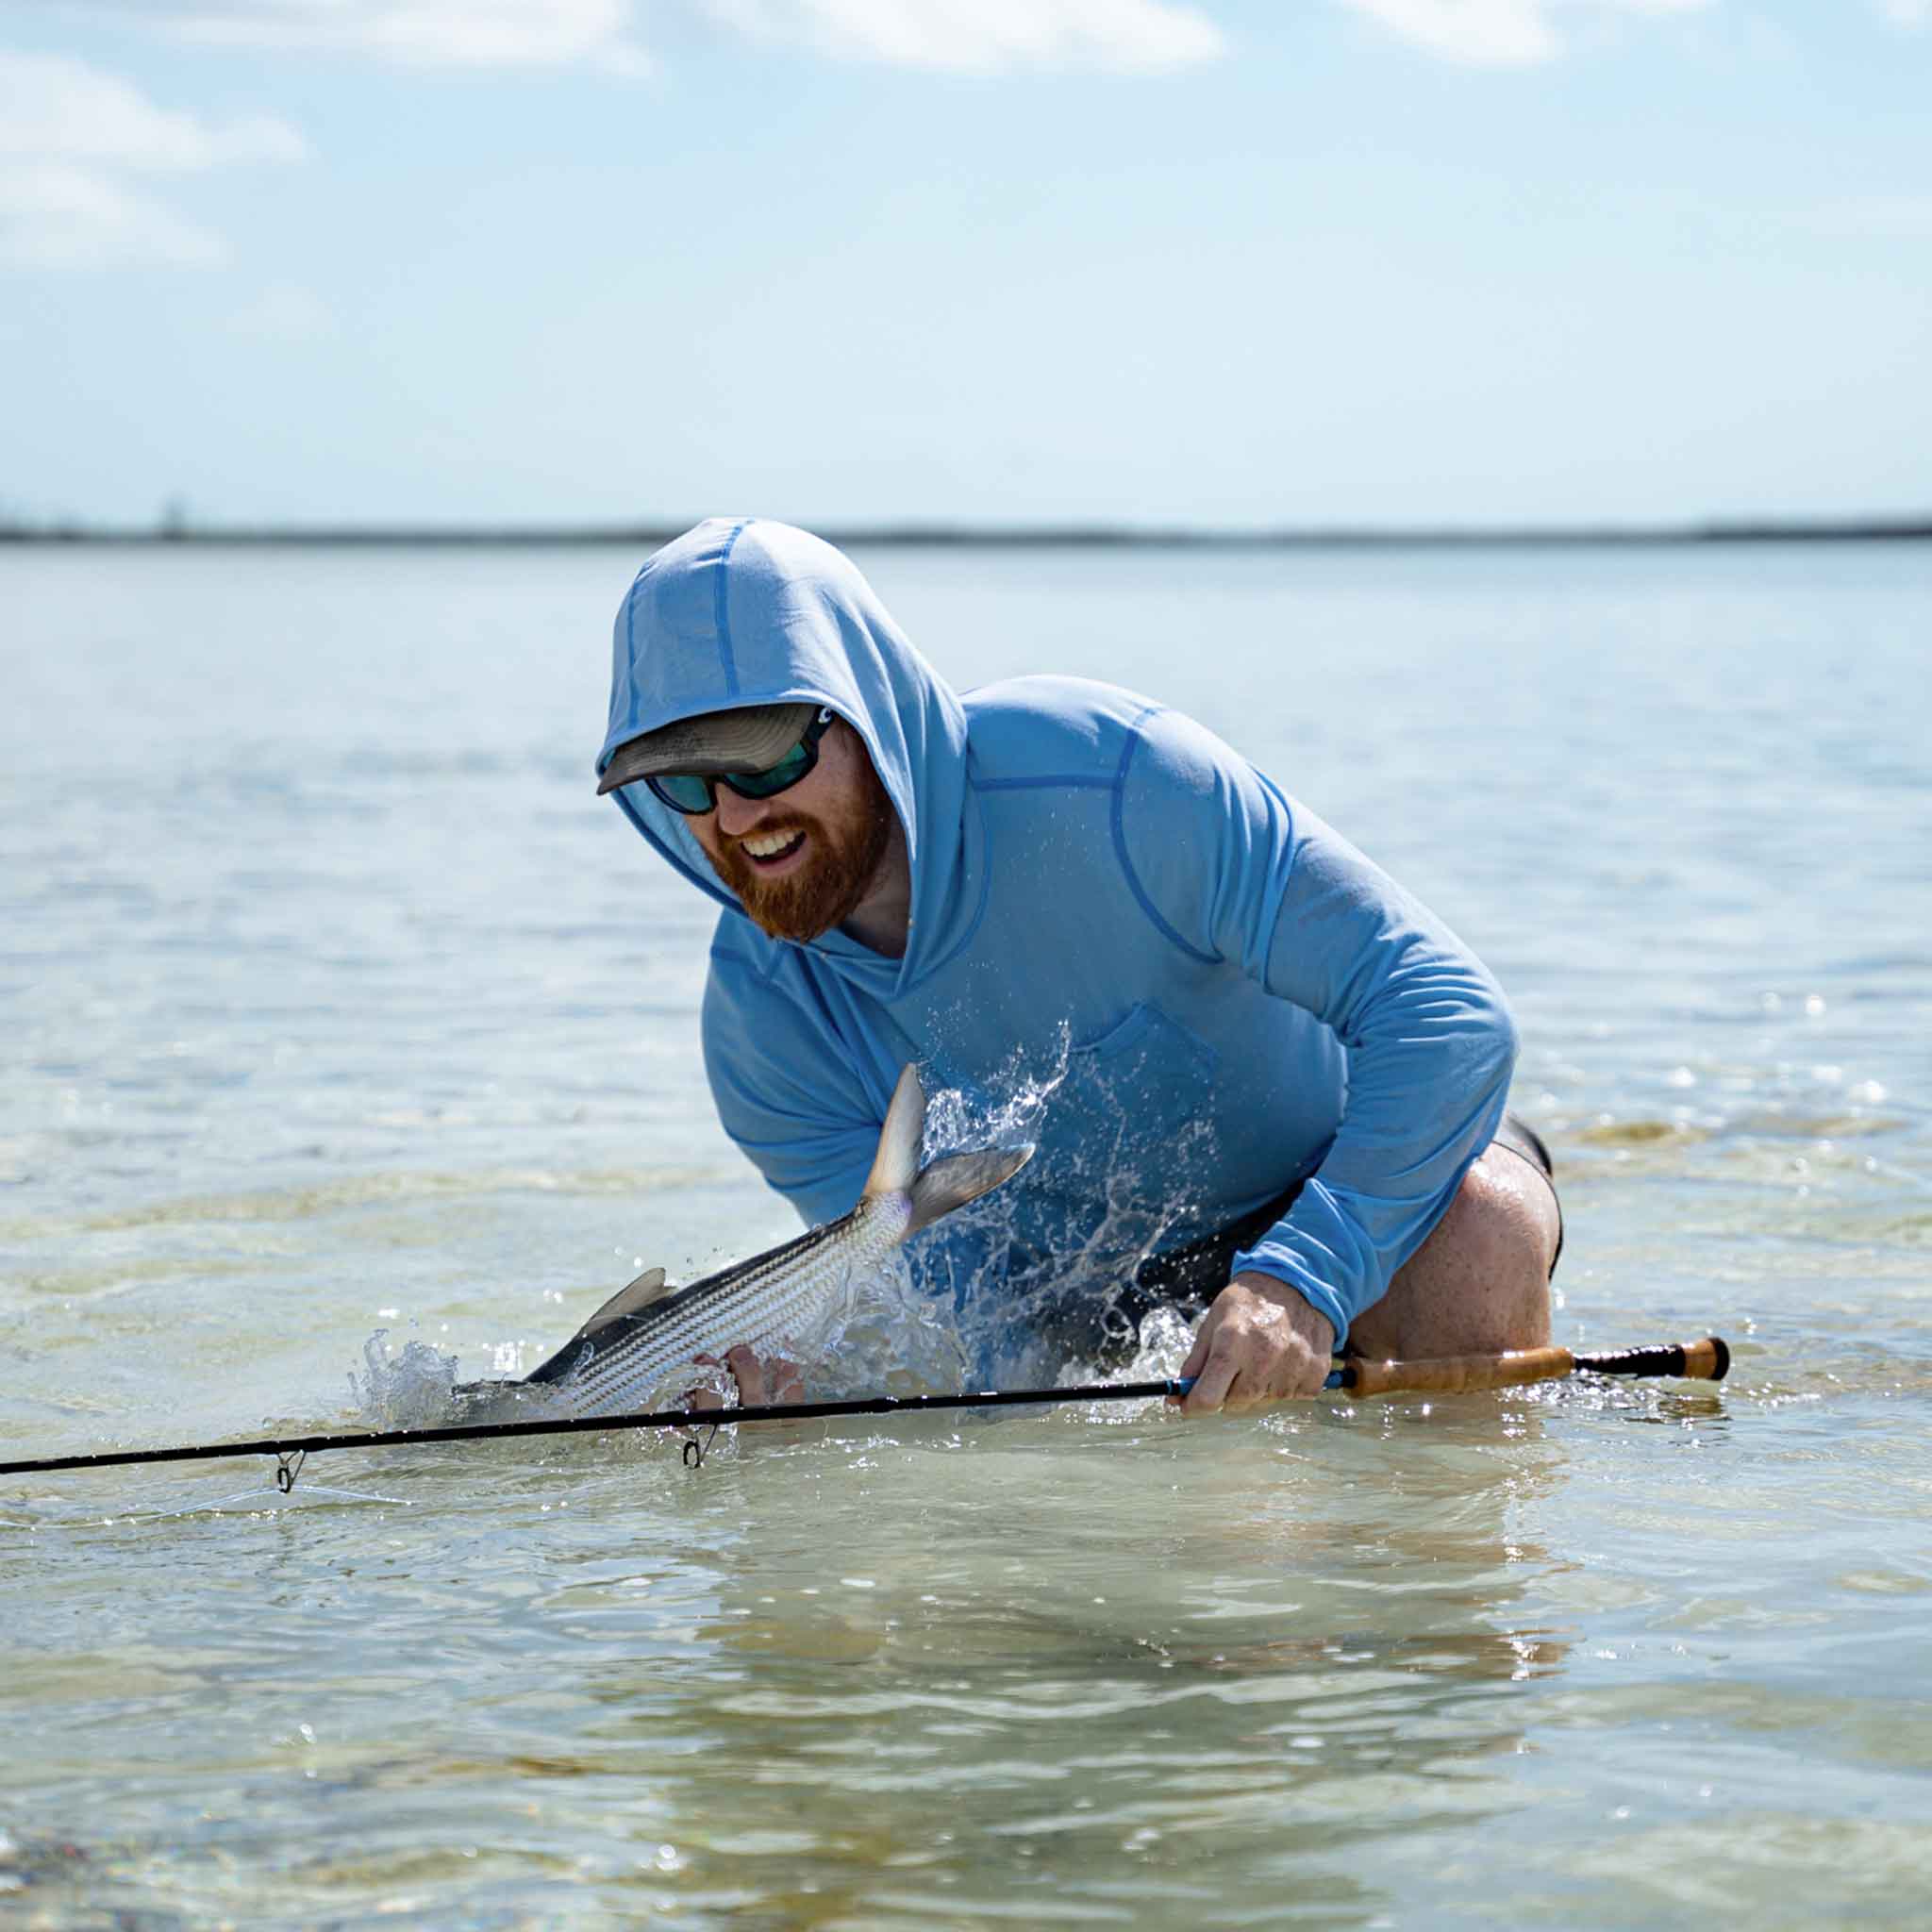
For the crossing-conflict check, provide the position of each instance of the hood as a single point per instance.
(740, 611)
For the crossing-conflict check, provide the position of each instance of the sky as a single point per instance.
(1311, 263)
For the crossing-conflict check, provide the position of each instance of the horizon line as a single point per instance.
(1065, 536)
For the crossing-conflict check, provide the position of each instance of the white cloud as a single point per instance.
(426, 33)
(69, 137)
(1482, 33)
(960, 36)
(55, 215)
(1906, 13)
(1504, 33)
(52, 108)
(988, 36)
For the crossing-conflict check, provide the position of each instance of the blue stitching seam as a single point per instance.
(967, 938)
(1120, 847)
(1294, 859)
(724, 615)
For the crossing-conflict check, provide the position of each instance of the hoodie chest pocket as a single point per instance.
(1142, 1085)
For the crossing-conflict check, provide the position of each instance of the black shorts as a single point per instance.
(1195, 1274)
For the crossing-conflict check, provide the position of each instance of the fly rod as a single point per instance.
(1706, 1360)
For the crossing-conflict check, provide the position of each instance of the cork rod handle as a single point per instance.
(1706, 1360)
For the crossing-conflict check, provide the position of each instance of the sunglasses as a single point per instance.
(694, 793)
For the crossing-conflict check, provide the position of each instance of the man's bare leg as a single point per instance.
(1480, 1283)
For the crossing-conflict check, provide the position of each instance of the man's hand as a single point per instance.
(1259, 1343)
(759, 1383)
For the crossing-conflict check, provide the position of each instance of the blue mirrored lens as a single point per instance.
(788, 771)
(685, 789)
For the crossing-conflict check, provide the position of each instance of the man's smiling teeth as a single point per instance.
(768, 844)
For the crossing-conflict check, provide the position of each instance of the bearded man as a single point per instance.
(1266, 1080)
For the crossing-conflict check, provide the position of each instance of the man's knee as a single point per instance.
(1480, 1282)
(1503, 1222)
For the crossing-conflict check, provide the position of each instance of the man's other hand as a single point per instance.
(1259, 1343)
(759, 1383)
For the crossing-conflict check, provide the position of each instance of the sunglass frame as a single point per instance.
(746, 784)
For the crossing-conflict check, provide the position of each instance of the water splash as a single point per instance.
(1038, 1281)
(897, 1340)
(411, 1388)
(1009, 1107)
(1162, 1347)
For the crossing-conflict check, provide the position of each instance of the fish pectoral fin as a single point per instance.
(649, 1286)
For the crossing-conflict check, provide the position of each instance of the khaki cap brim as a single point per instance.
(750, 739)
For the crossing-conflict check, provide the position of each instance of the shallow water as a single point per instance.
(334, 1003)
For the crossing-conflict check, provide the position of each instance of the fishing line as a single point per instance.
(1706, 1360)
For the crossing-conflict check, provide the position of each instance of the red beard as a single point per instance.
(842, 862)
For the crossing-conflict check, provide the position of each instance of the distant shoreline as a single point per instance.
(997, 536)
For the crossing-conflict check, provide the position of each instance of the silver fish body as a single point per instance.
(619, 1361)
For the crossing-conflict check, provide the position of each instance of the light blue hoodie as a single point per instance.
(1202, 992)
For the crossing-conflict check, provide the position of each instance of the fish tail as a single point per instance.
(895, 1166)
(951, 1181)
(957, 1178)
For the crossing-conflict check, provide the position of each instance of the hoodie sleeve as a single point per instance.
(786, 1090)
(1234, 871)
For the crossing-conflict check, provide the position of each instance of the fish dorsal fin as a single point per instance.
(649, 1286)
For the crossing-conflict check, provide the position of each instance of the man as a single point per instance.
(1263, 1077)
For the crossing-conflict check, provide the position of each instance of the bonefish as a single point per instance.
(619, 1357)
